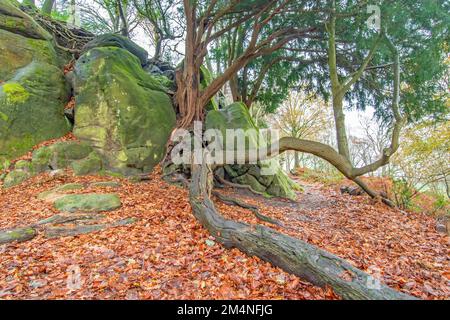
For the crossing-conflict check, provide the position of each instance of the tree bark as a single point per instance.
(124, 30)
(56, 232)
(47, 7)
(292, 255)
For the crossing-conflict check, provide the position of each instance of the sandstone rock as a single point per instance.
(19, 235)
(33, 90)
(236, 116)
(88, 202)
(121, 111)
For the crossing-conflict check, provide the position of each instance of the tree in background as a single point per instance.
(301, 116)
(209, 22)
(356, 62)
(366, 145)
(161, 20)
(47, 7)
(422, 162)
(109, 16)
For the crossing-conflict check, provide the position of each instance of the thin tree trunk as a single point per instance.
(341, 132)
(158, 47)
(123, 18)
(297, 160)
(47, 7)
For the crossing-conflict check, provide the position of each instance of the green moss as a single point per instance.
(19, 234)
(121, 105)
(15, 177)
(23, 165)
(163, 81)
(91, 164)
(15, 93)
(12, 147)
(88, 203)
(109, 173)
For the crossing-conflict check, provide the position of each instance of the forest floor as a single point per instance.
(167, 254)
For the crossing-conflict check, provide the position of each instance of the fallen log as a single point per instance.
(290, 254)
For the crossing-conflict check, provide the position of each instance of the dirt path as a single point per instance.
(403, 250)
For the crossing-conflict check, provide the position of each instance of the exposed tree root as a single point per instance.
(28, 233)
(56, 232)
(238, 186)
(292, 255)
(68, 39)
(254, 209)
(65, 218)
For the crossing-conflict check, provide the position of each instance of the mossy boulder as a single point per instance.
(88, 202)
(15, 178)
(89, 165)
(283, 186)
(118, 41)
(58, 192)
(33, 90)
(237, 117)
(59, 155)
(15, 20)
(121, 111)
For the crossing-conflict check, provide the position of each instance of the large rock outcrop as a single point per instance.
(33, 90)
(236, 116)
(121, 111)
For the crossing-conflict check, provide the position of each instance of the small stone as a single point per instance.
(58, 192)
(38, 283)
(19, 234)
(281, 279)
(69, 187)
(210, 243)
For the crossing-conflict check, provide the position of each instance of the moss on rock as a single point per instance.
(123, 112)
(89, 165)
(15, 178)
(88, 202)
(15, 93)
(118, 41)
(33, 91)
(19, 235)
(236, 116)
(59, 155)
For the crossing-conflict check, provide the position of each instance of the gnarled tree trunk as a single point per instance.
(292, 255)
